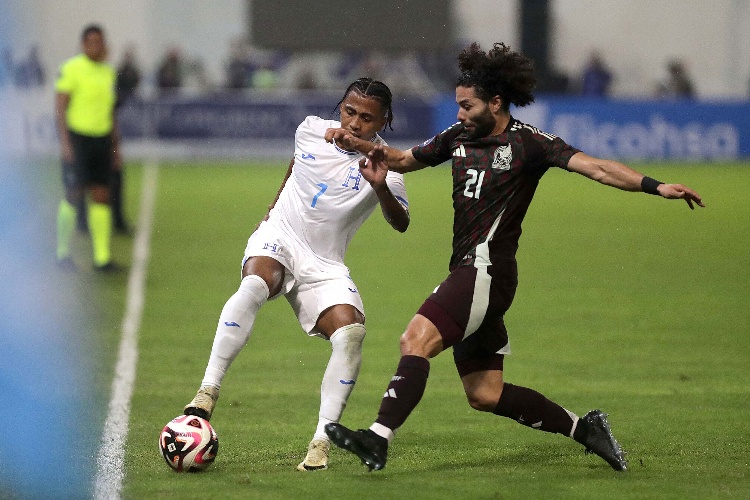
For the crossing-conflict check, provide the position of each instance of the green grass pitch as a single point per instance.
(627, 302)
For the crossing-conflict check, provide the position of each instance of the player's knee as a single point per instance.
(482, 400)
(100, 194)
(349, 338)
(255, 289)
(408, 343)
(424, 343)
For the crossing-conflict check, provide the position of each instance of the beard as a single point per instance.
(484, 124)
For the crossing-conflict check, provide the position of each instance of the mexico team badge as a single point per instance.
(503, 156)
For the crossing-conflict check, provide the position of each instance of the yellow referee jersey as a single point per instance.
(91, 87)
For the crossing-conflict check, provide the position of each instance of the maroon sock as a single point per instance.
(404, 391)
(528, 407)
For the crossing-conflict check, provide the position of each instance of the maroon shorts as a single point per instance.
(467, 308)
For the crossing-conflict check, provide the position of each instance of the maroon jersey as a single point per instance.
(494, 180)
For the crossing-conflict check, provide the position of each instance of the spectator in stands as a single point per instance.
(306, 80)
(678, 84)
(169, 76)
(249, 66)
(596, 77)
(128, 79)
(29, 72)
(403, 69)
(128, 76)
(239, 70)
(265, 78)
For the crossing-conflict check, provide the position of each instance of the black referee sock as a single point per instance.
(404, 391)
(115, 193)
(530, 408)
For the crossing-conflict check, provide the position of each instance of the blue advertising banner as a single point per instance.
(636, 130)
(268, 117)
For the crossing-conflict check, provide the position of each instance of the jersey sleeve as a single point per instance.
(438, 149)
(558, 153)
(546, 150)
(396, 184)
(309, 126)
(66, 81)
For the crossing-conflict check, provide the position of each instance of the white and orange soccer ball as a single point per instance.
(188, 443)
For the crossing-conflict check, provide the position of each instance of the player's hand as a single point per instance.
(374, 168)
(66, 151)
(680, 192)
(340, 136)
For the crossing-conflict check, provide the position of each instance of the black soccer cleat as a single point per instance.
(108, 268)
(594, 433)
(368, 446)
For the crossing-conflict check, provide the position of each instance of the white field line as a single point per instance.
(110, 461)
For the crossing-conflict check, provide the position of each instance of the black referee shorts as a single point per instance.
(92, 161)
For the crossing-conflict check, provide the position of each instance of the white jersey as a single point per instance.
(326, 200)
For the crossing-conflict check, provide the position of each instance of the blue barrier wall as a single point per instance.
(260, 117)
(631, 130)
(635, 130)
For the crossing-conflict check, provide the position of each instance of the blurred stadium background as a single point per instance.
(248, 71)
(236, 76)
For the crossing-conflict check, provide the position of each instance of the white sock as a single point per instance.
(340, 375)
(383, 431)
(234, 328)
(575, 423)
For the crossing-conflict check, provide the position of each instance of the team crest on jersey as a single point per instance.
(503, 156)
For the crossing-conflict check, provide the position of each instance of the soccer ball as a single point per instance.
(188, 443)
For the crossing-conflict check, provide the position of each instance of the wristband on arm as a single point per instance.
(649, 185)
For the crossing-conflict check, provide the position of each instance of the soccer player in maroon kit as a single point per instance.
(497, 164)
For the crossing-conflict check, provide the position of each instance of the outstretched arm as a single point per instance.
(616, 174)
(374, 170)
(397, 160)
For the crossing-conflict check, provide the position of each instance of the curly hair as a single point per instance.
(500, 71)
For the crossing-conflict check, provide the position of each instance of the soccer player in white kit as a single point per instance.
(298, 251)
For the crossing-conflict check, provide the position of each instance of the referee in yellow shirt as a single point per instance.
(89, 142)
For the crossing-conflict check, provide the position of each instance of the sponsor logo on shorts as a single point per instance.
(347, 382)
(231, 323)
(307, 156)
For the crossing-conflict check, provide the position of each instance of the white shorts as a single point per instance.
(311, 284)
